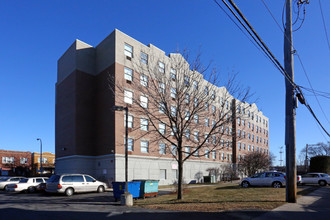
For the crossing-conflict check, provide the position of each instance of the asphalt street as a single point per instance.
(102, 206)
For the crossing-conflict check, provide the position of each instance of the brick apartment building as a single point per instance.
(15, 163)
(89, 135)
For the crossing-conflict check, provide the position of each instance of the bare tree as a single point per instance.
(182, 104)
(319, 149)
(255, 161)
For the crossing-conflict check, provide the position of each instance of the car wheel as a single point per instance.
(31, 189)
(277, 185)
(322, 183)
(5, 188)
(69, 192)
(245, 184)
(100, 189)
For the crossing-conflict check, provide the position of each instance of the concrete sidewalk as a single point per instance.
(315, 205)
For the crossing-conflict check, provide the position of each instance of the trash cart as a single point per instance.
(148, 188)
(132, 187)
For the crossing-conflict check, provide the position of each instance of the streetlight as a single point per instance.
(39, 139)
(128, 199)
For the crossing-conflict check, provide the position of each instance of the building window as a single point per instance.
(207, 122)
(243, 122)
(206, 138)
(195, 102)
(161, 67)
(173, 111)
(173, 131)
(214, 154)
(187, 133)
(173, 93)
(173, 149)
(228, 157)
(175, 174)
(144, 80)
(173, 74)
(213, 109)
(162, 107)
(8, 159)
(243, 134)
(239, 145)
(44, 160)
(243, 146)
(213, 95)
(214, 139)
(128, 51)
(239, 133)
(249, 147)
(187, 151)
(187, 98)
(144, 58)
(162, 174)
(186, 80)
(195, 85)
(144, 101)
(129, 144)
(196, 136)
(162, 128)
(222, 156)
(187, 115)
(144, 124)
(144, 146)
(206, 106)
(23, 160)
(162, 148)
(238, 121)
(206, 90)
(196, 153)
(129, 122)
(128, 97)
(207, 153)
(196, 118)
(128, 74)
(161, 87)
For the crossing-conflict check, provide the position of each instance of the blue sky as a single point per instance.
(34, 34)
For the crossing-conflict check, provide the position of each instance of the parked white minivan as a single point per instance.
(73, 183)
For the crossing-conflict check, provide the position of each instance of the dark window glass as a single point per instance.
(24, 180)
(39, 181)
(77, 179)
(89, 179)
(54, 178)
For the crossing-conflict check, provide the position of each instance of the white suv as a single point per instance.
(316, 178)
(274, 179)
(73, 183)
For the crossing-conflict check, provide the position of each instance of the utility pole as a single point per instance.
(290, 111)
(306, 159)
(281, 152)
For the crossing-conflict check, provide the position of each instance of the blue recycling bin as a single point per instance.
(132, 187)
(148, 188)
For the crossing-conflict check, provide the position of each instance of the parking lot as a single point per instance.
(96, 206)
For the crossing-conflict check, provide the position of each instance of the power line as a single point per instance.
(269, 54)
(325, 27)
(301, 63)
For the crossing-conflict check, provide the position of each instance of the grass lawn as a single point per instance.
(221, 197)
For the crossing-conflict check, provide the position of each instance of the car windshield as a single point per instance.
(324, 175)
(53, 179)
(24, 180)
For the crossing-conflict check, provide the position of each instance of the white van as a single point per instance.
(73, 183)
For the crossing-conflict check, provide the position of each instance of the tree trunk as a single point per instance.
(180, 178)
